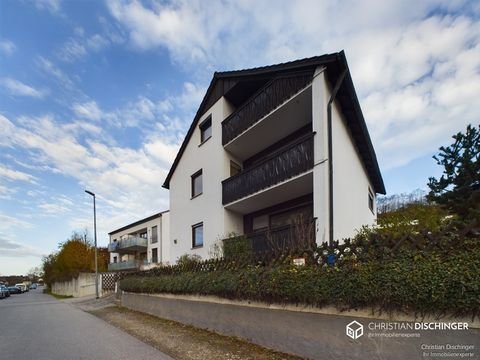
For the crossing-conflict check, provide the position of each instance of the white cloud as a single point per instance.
(10, 248)
(51, 69)
(17, 88)
(126, 180)
(88, 110)
(7, 47)
(78, 47)
(8, 222)
(72, 50)
(48, 209)
(415, 65)
(52, 6)
(15, 175)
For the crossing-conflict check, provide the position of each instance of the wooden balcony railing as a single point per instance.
(268, 98)
(287, 163)
(298, 236)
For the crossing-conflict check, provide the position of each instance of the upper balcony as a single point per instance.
(281, 107)
(284, 175)
(130, 244)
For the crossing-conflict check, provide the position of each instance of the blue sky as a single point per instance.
(99, 94)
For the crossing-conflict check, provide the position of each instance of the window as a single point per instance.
(154, 235)
(197, 235)
(370, 200)
(143, 235)
(114, 259)
(154, 255)
(197, 183)
(234, 168)
(206, 130)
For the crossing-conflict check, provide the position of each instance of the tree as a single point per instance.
(458, 189)
(74, 256)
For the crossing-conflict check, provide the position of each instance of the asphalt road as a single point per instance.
(36, 326)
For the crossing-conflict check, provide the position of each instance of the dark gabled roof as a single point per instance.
(335, 64)
(138, 222)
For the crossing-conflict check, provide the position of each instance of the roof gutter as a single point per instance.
(330, 153)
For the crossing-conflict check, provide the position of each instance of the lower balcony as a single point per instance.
(283, 176)
(127, 265)
(298, 236)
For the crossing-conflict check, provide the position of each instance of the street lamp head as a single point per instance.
(90, 193)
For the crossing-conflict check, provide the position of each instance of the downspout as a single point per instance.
(330, 153)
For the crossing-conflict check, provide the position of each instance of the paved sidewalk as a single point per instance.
(90, 303)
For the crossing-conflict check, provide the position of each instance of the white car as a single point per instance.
(22, 287)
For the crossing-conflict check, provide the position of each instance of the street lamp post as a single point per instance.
(95, 240)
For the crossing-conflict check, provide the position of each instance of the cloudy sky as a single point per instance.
(99, 94)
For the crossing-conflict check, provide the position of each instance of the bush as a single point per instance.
(187, 260)
(237, 246)
(419, 282)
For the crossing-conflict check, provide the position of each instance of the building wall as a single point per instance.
(350, 180)
(320, 95)
(162, 244)
(207, 207)
(350, 183)
(166, 243)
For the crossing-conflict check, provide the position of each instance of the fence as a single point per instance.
(367, 247)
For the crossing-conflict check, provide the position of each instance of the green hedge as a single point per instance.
(421, 283)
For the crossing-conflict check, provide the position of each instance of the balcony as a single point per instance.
(280, 108)
(130, 244)
(298, 236)
(127, 265)
(282, 176)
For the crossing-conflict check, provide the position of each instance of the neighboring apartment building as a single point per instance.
(140, 245)
(269, 145)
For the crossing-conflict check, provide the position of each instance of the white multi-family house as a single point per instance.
(140, 245)
(268, 145)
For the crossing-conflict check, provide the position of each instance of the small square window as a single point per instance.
(370, 200)
(197, 183)
(197, 235)
(206, 130)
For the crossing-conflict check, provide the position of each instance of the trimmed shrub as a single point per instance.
(422, 283)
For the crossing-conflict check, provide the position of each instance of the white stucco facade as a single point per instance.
(206, 208)
(142, 244)
(351, 184)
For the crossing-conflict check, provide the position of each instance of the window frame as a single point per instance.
(154, 231)
(194, 227)
(155, 259)
(194, 176)
(204, 126)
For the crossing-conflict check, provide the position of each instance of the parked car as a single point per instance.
(2, 294)
(14, 290)
(33, 286)
(5, 290)
(22, 287)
